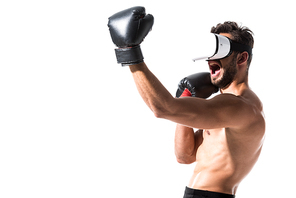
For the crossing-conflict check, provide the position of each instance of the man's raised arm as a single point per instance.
(128, 29)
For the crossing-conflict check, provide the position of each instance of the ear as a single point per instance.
(242, 58)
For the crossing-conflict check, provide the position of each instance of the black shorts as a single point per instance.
(193, 193)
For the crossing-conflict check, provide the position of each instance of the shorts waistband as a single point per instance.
(195, 193)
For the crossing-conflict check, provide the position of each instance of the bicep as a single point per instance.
(222, 111)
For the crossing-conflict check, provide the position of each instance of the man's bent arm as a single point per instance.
(187, 143)
(188, 111)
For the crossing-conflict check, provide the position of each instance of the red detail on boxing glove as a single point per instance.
(186, 93)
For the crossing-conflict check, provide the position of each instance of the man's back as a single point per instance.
(227, 155)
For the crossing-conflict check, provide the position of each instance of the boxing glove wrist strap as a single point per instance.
(129, 56)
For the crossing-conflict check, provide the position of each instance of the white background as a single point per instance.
(72, 123)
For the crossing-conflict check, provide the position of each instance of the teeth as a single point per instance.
(214, 64)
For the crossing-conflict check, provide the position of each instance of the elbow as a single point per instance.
(160, 112)
(185, 160)
(164, 109)
(181, 161)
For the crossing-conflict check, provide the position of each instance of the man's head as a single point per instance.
(224, 70)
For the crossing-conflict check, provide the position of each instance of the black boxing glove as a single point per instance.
(196, 85)
(128, 28)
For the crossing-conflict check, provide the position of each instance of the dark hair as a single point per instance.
(240, 34)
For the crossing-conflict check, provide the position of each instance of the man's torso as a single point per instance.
(227, 155)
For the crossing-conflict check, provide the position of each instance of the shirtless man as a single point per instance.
(231, 125)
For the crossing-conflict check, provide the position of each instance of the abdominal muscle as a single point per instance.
(215, 181)
(218, 168)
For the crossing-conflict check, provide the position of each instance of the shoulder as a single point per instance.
(258, 121)
(238, 111)
(231, 102)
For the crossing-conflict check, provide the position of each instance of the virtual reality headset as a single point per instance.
(217, 47)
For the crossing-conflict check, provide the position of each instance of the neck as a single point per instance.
(237, 86)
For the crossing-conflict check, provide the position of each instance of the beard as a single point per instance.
(228, 75)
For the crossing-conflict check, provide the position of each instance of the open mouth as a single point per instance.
(215, 68)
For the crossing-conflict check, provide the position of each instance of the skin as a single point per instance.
(231, 125)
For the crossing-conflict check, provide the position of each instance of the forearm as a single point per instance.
(185, 148)
(154, 94)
